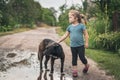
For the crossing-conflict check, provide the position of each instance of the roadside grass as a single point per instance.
(108, 61)
(24, 28)
(15, 31)
(44, 25)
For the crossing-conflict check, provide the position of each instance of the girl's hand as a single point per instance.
(58, 42)
(86, 45)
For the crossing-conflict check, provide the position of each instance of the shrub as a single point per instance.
(109, 41)
(95, 27)
(92, 34)
(119, 51)
(5, 28)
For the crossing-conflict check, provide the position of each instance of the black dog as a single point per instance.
(53, 50)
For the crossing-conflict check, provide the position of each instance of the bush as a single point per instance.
(95, 27)
(5, 28)
(63, 21)
(92, 34)
(109, 41)
(101, 25)
(119, 51)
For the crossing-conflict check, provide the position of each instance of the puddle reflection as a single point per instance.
(40, 76)
(46, 76)
(75, 78)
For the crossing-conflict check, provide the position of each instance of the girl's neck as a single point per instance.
(75, 23)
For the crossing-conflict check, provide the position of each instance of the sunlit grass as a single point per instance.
(14, 31)
(109, 61)
(24, 28)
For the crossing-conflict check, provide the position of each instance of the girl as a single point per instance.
(76, 30)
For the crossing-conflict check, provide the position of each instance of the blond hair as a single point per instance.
(83, 19)
(76, 14)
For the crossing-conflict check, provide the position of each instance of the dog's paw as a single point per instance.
(62, 73)
(41, 70)
(51, 74)
(47, 70)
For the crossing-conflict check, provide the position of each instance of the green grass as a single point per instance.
(107, 60)
(14, 31)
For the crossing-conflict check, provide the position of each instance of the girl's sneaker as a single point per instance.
(85, 70)
(74, 73)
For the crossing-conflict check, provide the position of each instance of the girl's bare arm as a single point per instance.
(86, 38)
(64, 36)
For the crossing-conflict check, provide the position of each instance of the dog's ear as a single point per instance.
(56, 44)
(50, 44)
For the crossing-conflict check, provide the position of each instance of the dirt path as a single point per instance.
(18, 58)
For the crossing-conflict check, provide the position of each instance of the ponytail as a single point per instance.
(79, 17)
(83, 19)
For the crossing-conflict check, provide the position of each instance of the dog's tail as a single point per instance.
(38, 55)
(40, 49)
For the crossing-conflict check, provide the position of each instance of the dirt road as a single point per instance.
(18, 58)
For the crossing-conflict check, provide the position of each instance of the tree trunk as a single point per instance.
(115, 20)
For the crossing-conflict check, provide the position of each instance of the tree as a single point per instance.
(54, 12)
(3, 13)
(24, 12)
(48, 17)
(110, 9)
(85, 6)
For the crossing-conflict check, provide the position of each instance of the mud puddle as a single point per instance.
(23, 65)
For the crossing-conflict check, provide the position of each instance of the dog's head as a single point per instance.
(53, 49)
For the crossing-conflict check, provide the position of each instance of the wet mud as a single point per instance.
(14, 67)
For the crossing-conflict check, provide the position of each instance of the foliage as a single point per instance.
(63, 21)
(96, 27)
(17, 30)
(48, 16)
(109, 41)
(108, 10)
(119, 51)
(103, 12)
(24, 13)
(100, 26)
(85, 5)
(92, 33)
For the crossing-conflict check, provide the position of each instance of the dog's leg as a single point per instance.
(45, 75)
(62, 65)
(52, 64)
(40, 76)
(41, 58)
(46, 61)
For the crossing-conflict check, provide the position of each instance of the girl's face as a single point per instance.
(72, 18)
